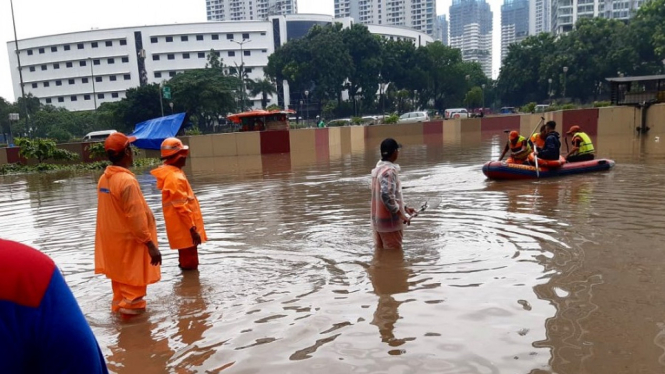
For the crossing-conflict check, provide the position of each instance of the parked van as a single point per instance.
(540, 108)
(97, 136)
(413, 117)
(456, 113)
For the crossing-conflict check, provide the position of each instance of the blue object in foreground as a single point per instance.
(151, 133)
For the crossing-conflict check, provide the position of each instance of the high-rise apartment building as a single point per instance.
(540, 16)
(514, 23)
(566, 12)
(471, 31)
(243, 10)
(442, 29)
(417, 14)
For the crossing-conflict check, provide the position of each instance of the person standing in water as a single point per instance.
(389, 213)
(182, 213)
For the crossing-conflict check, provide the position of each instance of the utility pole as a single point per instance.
(242, 71)
(20, 71)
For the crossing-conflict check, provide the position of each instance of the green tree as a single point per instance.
(263, 87)
(365, 51)
(41, 149)
(474, 98)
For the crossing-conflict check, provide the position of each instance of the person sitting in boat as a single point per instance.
(538, 139)
(550, 150)
(582, 146)
(519, 148)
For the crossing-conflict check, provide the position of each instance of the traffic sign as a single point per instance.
(166, 92)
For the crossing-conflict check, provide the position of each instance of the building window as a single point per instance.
(123, 41)
(127, 77)
(153, 40)
(109, 43)
(184, 38)
(171, 73)
(169, 39)
(202, 55)
(61, 99)
(247, 53)
(111, 61)
(80, 46)
(72, 81)
(41, 51)
(46, 84)
(58, 83)
(29, 52)
(215, 36)
(245, 36)
(34, 85)
(229, 36)
(84, 80)
(96, 62)
(86, 97)
(73, 98)
(248, 70)
(199, 37)
(82, 63)
(114, 95)
(56, 66)
(54, 49)
(48, 100)
(232, 54)
(155, 57)
(98, 79)
(94, 45)
(170, 56)
(69, 64)
(100, 96)
(43, 67)
(185, 56)
(263, 34)
(125, 59)
(32, 68)
(112, 78)
(264, 50)
(158, 74)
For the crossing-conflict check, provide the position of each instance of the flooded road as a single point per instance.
(552, 276)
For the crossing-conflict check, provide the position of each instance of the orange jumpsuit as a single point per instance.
(181, 212)
(124, 224)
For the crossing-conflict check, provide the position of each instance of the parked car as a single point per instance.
(413, 117)
(508, 110)
(456, 113)
(540, 108)
(97, 136)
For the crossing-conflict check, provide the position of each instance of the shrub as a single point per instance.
(601, 104)
(357, 121)
(194, 130)
(43, 149)
(529, 108)
(391, 119)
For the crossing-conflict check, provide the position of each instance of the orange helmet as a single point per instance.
(514, 135)
(574, 129)
(172, 147)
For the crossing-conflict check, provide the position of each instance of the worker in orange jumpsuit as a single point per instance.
(126, 234)
(182, 213)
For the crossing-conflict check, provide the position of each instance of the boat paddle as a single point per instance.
(535, 150)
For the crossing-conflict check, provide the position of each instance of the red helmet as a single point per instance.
(172, 147)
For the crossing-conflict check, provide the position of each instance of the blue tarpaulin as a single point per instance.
(151, 133)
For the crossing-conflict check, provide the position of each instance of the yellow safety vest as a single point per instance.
(586, 146)
(522, 149)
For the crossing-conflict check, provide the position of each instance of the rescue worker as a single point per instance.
(550, 150)
(126, 235)
(519, 148)
(582, 146)
(538, 139)
(42, 328)
(182, 213)
(388, 212)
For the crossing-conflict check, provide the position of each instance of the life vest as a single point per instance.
(521, 149)
(384, 220)
(586, 146)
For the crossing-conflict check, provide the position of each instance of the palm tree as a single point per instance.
(263, 87)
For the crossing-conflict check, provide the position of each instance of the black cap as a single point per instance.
(388, 146)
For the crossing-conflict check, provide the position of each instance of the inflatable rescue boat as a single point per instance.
(500, 170)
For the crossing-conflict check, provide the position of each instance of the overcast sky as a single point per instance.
(46, 17)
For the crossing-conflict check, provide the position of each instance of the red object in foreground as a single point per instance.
(500, 170)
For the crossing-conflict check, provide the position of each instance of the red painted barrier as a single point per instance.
(275, 142)
(433, 128)
(586, 119)
(13, 156)
(500, 123)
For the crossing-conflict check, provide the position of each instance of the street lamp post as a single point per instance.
(92, 78)
(381, 88)
(306, 108)
(20, 71)
(549, 89)
(171, 105)
(298, 115)
(565, 72)
(242, 69)
(483, 87)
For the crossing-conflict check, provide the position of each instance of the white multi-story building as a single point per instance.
(565, 13)
(82, 70)
(244, 10)
(417, 14)
(540, 16)
(471, 31)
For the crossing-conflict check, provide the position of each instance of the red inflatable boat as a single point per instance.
(500, 170)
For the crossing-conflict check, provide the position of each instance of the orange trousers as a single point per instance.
(388, 240)
(188, 258)
(128, 299)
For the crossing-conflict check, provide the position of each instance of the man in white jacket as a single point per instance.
(389, 213)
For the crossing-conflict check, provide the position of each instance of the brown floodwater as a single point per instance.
(551, 276)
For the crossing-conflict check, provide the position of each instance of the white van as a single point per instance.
(456, 113)
(541, 108)
(97, 136)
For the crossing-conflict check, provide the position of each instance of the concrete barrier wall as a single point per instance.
(619, 120)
